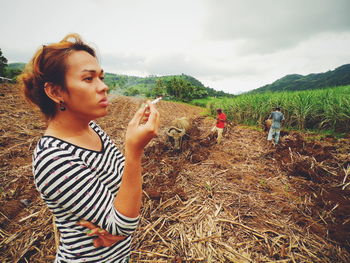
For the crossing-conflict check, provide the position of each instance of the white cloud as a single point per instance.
(271, 25)
(233, 45)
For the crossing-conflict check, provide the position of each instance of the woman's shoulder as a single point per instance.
(95, 126)
(98, 129)
(49, 141)
(49, 145)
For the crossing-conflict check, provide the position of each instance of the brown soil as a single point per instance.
(289, 203)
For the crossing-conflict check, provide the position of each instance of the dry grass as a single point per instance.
(238, 202)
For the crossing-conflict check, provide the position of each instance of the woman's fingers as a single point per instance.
(112, 238)
(142, 128)
(143, 114)
(86, 224)
(98, 242)
(104, 235)
(103, 232)
(103, 238)
(107, 240)
(138, 115)
(153, 118)
(93, 232)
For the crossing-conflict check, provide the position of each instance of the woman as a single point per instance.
(91, 188)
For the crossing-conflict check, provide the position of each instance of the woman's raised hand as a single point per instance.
(142, 128)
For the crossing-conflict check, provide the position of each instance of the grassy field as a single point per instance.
(324, 109)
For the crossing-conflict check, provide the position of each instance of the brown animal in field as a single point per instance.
(177, 131)
(267, 125)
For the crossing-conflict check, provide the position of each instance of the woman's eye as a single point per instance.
(88, 78)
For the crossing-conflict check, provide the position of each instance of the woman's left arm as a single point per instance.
(141, 129)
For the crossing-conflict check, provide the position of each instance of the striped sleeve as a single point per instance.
(74, 192)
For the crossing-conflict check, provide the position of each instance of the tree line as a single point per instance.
(10, 71)
(176, 87)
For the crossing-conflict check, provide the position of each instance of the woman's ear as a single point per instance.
(54, 92)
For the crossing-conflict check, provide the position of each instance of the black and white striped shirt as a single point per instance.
(77, 183)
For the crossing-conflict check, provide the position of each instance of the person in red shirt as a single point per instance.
(220, 124)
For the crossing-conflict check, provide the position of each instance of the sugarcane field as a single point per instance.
(243, 200)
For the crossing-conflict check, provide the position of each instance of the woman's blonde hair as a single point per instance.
(48, 65)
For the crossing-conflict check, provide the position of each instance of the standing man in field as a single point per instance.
(274, 132)
(220, 124)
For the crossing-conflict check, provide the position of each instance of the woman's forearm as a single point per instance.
(141, 129)
(128, 198)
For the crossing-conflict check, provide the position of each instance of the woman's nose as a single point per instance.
(102, 86)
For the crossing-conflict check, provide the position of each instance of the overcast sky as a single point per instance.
(234, 46)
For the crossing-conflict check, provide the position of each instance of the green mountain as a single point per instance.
(338, 77)
(116, 81)
(19, 66)
(12, 70)
(153, 85)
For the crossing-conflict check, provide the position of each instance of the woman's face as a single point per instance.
(87, 93)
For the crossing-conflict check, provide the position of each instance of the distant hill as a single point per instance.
(19, 65)
(12, 70)
(338, 77)
(121, 83)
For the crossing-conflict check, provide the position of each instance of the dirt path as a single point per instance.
(241, 201)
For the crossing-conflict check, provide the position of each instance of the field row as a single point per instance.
(326, 109)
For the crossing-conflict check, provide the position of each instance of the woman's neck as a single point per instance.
(74, 131)
(64, 125)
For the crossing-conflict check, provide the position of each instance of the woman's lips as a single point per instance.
(103, 102)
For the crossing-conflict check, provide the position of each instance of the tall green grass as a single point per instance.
(324, 109)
